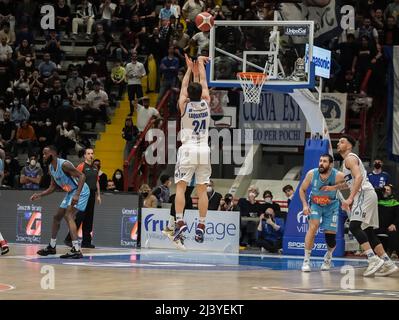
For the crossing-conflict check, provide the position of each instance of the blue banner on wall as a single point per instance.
(296, 224)
(276, 120)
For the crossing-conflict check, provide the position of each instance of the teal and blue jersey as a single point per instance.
(319, 197)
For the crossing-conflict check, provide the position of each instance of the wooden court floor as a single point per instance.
(166, 274)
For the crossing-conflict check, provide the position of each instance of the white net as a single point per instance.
(252, 83)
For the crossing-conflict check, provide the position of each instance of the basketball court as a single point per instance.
(168, 274)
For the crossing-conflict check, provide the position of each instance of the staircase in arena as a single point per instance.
(110, 146)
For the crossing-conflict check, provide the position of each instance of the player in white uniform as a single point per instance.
(362, 209)
(193, 157)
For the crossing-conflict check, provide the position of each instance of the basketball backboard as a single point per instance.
(277, 47)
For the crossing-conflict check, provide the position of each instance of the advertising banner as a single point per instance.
(29, 223)
(222, 230)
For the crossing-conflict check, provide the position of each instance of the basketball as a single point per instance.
(204, 21)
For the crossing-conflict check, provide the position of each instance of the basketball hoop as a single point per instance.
(252, 83)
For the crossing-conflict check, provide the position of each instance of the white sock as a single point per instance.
(1, 237)
(369, 253)
(171, 222)
(53, 243)
(202, 220)
(75, 244)
(307, 255)
(179, 216)
(385, 257)
(329, 253)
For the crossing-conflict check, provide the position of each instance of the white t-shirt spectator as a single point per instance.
(95, 99)
(202, 39)
(134, 72)
(5, 51)
(193, 8)
(108, 11)
(144, 115)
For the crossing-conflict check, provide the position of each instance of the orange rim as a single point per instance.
(256, 77)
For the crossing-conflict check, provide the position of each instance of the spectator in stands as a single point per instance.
(19, 112)
(31, 174)
(107, 9)
(8, 131)
(53, 47)
(80, 106)
(270, 232)
(45, 132)
(213, 196)
(176, 8)
(111, 186)
(5, 50)
(130, 133)
(84, 17)
(102, 42)
(73, 82)
(5, 31)
(7, 13)
(25, 50)
(102, 177)
(388, 216)
(25, 139)
(146, 13)
(363, 59)
(35, 79)
(66, 138)
(145, 113)
(121, 16)
(367, 30)
(135, 71)
(11, 171)
(149, 200)
(391, 32)
(63, 17)
(289, 193)
(167, 11)
(191, 9)
(378, 178)
(349, 83)
(89, 84)
(118, 76)
(89, 67)
(98, 103)
(128, 41)
(169, 68)
(25, 33)
(21, 84)
(162, 192)
(269, 203)
(181, 38)
(249, 208)
(227, 203)
(117, 178)
(46, 67)
(43, 113)
(201, 41)
(392, 9)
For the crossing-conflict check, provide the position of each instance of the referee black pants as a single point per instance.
(86, 218)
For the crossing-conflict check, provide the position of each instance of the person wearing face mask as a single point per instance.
(46, 133)
(91, 172)
(162, 192)
(378, 178)
(31, 174)
(249, 208)
(268, 198)
(89, 67)
(149, 200)
(19, 112)
(213, 196)
(388, 217)
(117, 178)
(73, 82)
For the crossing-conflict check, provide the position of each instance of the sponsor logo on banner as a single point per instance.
(296, 31)
(276, 120)
(221, 230)
(333, 106)
(29, 223)
(129, 227)
(321, 59)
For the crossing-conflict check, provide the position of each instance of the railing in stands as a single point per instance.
(138, 172)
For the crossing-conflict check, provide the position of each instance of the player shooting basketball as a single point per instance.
(193, 156)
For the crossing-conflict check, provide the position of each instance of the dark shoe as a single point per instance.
(130, 114)
(180, 228)
(68, 243)
(46, 251)
(88, 245)
(73, 254)
(4, 247)
(199, 233)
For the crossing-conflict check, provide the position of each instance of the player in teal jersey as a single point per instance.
(321, 208)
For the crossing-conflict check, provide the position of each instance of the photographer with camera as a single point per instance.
(270, 231)
(227, 203)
